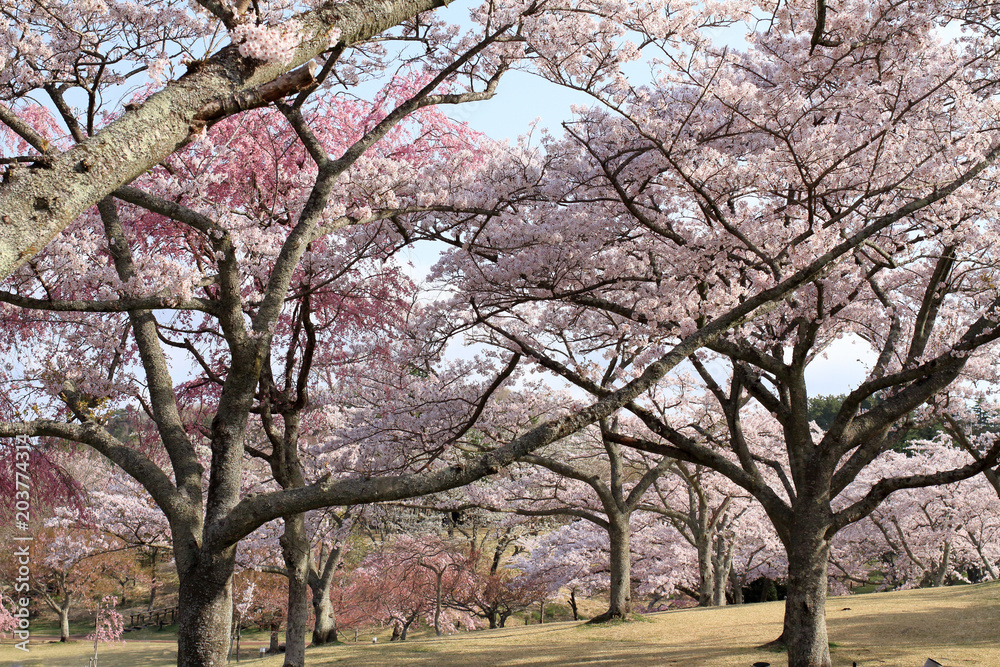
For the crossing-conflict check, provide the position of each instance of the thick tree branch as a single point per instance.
(774, 505)
(187, 469)
(39, 203)
(116, 306)
(24, 130)
(132, 462)
(882, 490)
(566, 470)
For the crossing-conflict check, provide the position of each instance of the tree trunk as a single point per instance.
(64, 622)
(491, 616)
(152, 595)
(321, 583)
(274, 647)
(439, 577)
(154, 583)
(572, 604)
(937, 577)
(804, 631)
(706, 571)
(205, 599)
(722, 563)
(737, 586)
(620, 605)
(989, 566)
(719, 594)
(295, 551)
(325, 628)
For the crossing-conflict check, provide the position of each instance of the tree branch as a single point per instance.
(39, 203)
(882, 489)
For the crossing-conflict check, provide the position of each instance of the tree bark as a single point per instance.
(719, 593)
(620, 560)
(325, 624)
(722, 563)
(804, 630)
(706, 571)
(938, 575)
(64, 623)
(621, 569)
(439, 576)
(206, 610)
(737, 586)
(295, 551)
(620, 604)
(321, 581)
(274, 647)
(154, 582)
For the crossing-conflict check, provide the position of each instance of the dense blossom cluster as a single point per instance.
(266, 43)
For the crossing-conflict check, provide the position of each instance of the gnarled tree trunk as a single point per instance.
(321, 582)
(325, 623)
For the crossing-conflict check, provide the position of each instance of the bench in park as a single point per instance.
(157, 617)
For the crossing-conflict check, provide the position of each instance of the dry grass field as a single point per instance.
(956, 626)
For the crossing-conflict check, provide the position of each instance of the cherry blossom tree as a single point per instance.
(731, 173)
(927, 536)
(593, 478)
(714, 517)
(8, 622)
(493, 591)
(109, 625)
(410, 580)
(576, 556)
(63, 573)
(234, 234)
(333, 545)
(329, 532)
(489, 585)
(440, 562)
(123, 511)
(261, 602)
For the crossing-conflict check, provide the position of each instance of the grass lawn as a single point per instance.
(955, 626)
